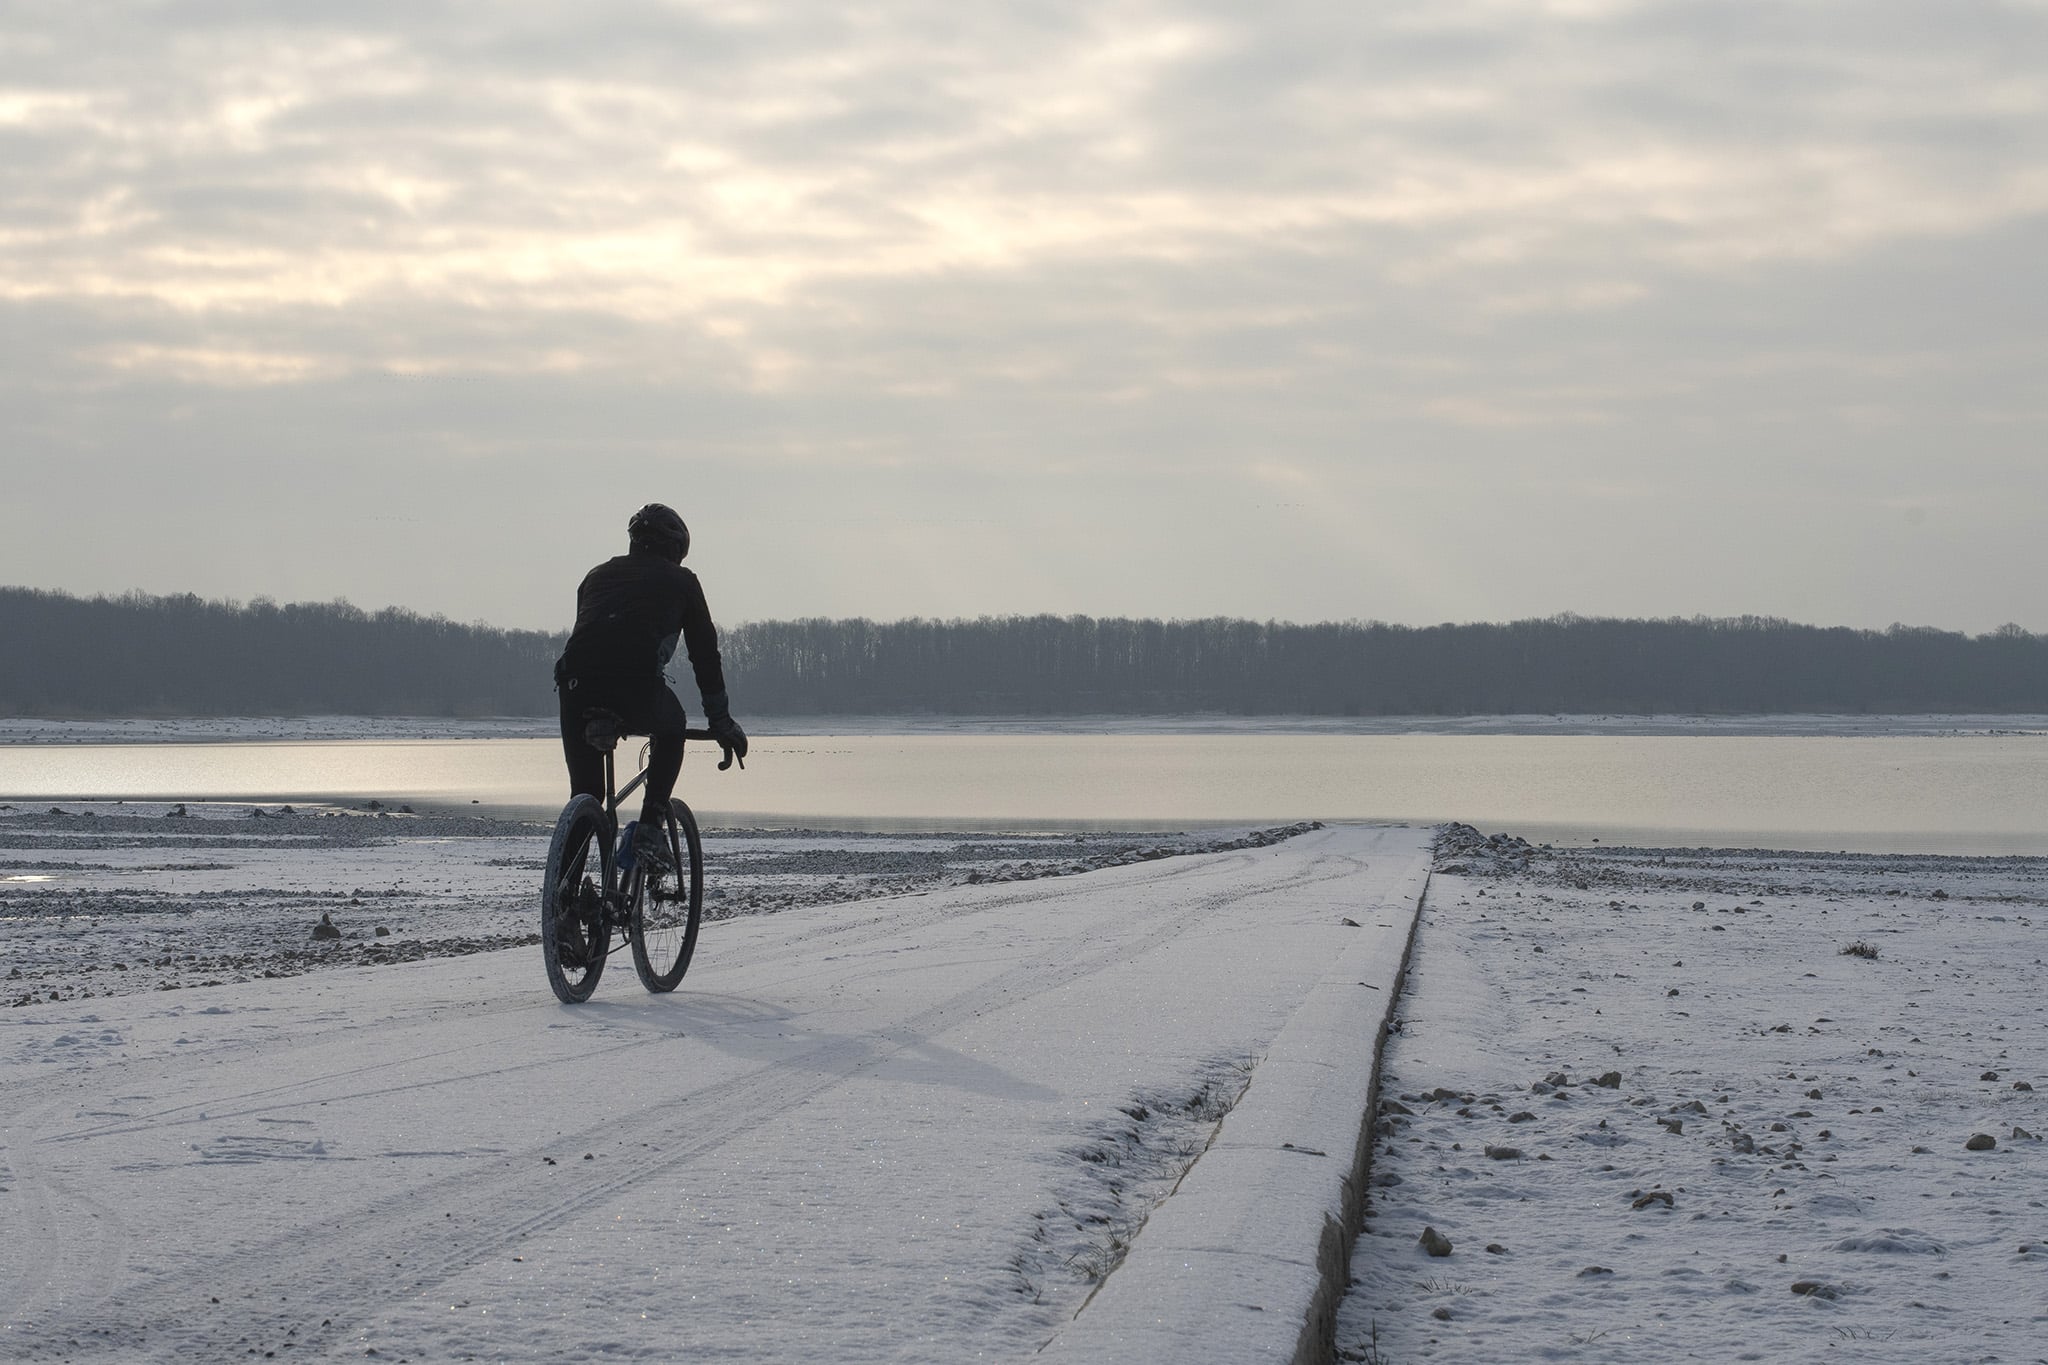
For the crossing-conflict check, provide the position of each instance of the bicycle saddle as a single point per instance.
(602, 729)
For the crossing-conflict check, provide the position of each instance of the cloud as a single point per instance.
(669, 162)
(1126, 241)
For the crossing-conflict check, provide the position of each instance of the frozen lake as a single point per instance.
(1965, 794)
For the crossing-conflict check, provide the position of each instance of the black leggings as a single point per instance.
(653, 712)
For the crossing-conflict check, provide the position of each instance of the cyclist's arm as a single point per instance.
(700, 638)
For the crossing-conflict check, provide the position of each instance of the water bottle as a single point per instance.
(626, 849)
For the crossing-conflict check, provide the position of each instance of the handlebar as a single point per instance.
(730, 757)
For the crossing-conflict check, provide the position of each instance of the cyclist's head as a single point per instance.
(657, 528)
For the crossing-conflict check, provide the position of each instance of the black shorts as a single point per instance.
(648, 708)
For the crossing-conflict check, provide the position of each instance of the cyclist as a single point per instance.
(629, 612)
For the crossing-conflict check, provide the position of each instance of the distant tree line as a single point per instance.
(141, 655)
(1562, 664)
(138, 655)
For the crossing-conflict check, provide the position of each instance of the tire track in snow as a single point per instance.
(72, 1230)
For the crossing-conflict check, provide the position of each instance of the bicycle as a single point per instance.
(656, 914)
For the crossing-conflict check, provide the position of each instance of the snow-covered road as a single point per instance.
(910, 1129)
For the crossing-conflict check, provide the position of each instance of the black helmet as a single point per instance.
(659, 528)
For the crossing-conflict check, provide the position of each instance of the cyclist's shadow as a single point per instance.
(685, 1014)
(759, 1031)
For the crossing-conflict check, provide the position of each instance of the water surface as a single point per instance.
(1969, 794)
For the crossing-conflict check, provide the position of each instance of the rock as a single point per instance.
(1892, 1242)
(2021, 1085)
(1813, 1094)
(1611, 1080)
(1743, 1143)
(1988, 1076)
(2022, 1135)
(325, 928)
(1663, 1197)
(1434, 1242)
(1816, 1289)
(1503, 1153)
(383, 932)
(1699, 905)
(1394, 1107)
(1521, 1116)
(1980, 1142)
(1496, 1249)
(1441, 1314)
(1557, 1078)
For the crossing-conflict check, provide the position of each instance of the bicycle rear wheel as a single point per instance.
(668, 905)
(574, 932)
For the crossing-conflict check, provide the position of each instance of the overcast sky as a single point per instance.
(1417, 310)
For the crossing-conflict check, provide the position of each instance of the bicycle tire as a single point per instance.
(569, 894)
(668, 907)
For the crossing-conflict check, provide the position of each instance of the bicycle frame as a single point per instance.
(615, 799)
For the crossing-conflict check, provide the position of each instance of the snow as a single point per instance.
(898, 1114)
(869, 1130)
(1780, 1172)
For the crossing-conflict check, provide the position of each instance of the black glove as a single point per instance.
(730, 738)
(725, 730)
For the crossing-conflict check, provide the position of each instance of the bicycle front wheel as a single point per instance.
(667, 905)
(574, 929)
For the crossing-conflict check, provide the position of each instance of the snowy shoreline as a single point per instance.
(319, 729)
(1668, 1104)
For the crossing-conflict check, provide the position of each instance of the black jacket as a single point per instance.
(629, 613)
